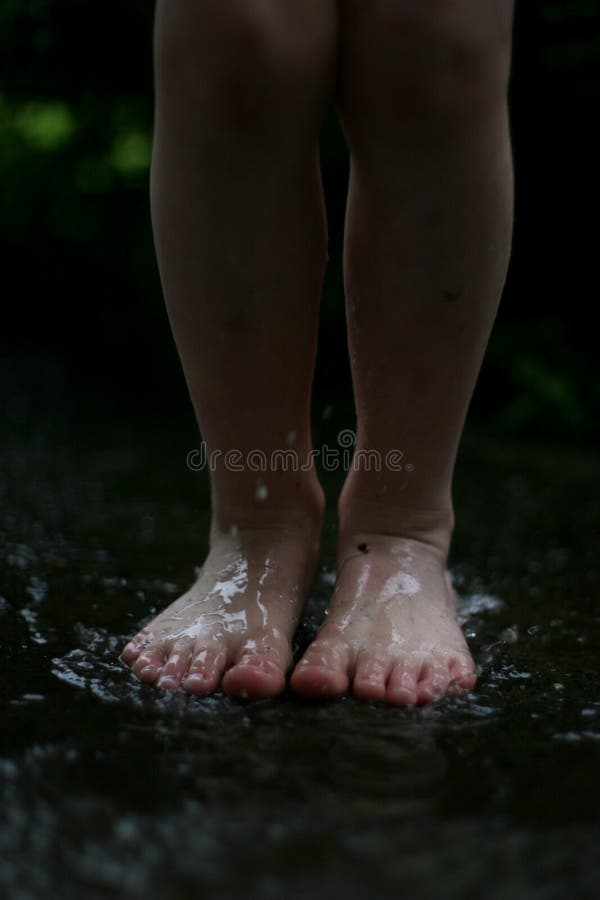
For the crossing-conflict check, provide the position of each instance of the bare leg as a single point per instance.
(423, 104)
(241, 89)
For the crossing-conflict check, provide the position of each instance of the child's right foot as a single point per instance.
(235, 625)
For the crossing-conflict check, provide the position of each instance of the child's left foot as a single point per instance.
(391, 631)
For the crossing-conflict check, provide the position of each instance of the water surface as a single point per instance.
(109, 788)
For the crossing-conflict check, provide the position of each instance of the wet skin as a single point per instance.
(391, 632)
(240, 224)
(234, 626)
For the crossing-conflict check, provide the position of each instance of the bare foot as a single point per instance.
(235, 624)
(391, 631)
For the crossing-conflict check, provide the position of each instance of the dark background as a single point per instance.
(83, 314)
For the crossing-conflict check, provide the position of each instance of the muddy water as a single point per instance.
(108, 788)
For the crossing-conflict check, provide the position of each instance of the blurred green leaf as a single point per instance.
(45, 126)
(130, 153)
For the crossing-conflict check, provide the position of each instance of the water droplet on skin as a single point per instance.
(400, 583)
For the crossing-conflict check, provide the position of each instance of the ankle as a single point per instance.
(300, 509)
(359, 520)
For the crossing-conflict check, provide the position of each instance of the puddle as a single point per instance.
(107, 787)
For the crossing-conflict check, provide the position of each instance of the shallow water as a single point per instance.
(110, 788)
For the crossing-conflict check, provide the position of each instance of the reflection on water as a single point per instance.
(109, 786)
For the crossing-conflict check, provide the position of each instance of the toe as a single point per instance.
(433, 682)
(149, 663)
(259, 671)
(463, 676)
(175, 667)
(401, 688)
(254, 678)
(205, 669)
(132, 650)
(322, 671)
(370, 676)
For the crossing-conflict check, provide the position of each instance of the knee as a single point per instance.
(440, 64)
(243, 63)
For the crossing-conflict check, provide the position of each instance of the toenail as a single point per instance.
(147, 670)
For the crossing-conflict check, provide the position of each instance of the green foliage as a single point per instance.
(75, 144)
(44, 126)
